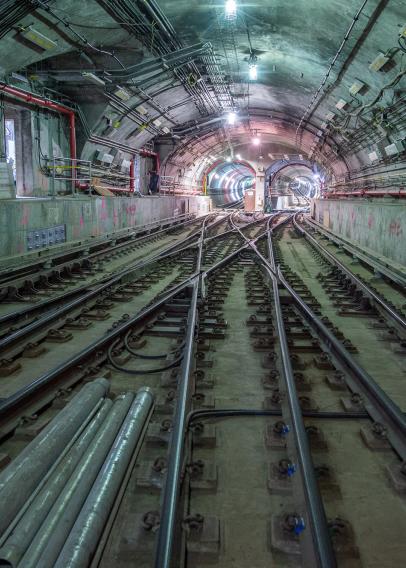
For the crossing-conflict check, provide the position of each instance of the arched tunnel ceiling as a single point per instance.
(297, 86)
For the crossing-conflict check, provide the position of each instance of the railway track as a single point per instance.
(49, 273)
(254, 418)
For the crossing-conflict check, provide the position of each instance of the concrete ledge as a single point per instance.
(378, 225)
(85, 218)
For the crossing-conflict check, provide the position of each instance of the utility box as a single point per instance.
(249, 200)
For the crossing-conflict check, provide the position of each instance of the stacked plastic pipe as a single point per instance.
(56, 496)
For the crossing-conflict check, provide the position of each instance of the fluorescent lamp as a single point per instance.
(231, 9)
(92, 78)
(38, 38)
(253, 72)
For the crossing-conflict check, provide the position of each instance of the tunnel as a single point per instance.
(227, 182)
(202, 283)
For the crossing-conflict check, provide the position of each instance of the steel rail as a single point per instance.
(171, 489)
(128, 238)
(379, 405)
(51, 316)
(173, 480)
(107, 281)
(22, 395)
(352, 249)
(316, 547)
(365, 289)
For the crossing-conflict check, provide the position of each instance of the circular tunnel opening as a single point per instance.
(227, 181)
(293, 184)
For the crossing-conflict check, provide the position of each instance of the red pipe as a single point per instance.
(132, 174)
(149, 154)
(51, 105)
(364, 193)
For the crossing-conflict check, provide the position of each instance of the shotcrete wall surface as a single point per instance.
(378, 225)
(85, 218)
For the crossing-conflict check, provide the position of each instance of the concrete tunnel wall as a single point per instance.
(85, 218)
(378, 225)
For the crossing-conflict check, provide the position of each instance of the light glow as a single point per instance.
(228, 159)
(253, 72)
(231, 9)
(231, 118)
(256, 141)
(238, 157)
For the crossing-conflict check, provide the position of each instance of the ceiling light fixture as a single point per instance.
(38, 38)
(231, 118)
(92, 78)
(253, 72)
(231, 9)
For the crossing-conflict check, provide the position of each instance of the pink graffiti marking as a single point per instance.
(395, 229)
(25, 216)
(130, 209)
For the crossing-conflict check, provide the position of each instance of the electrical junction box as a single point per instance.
(395, 148)
(104, 157)
(330, 115)
(374, 156)
(157, 122)
(379, 61)
(124, 165)
(324, 125)
(123, 94)
(42, 238)
(166, 130)
(319, 133)
(141, 109)
(356, 87)
(341, 104)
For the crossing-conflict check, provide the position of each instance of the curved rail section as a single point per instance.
(389, 312)
(316, 545)
(379, 405)
(356, 252)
